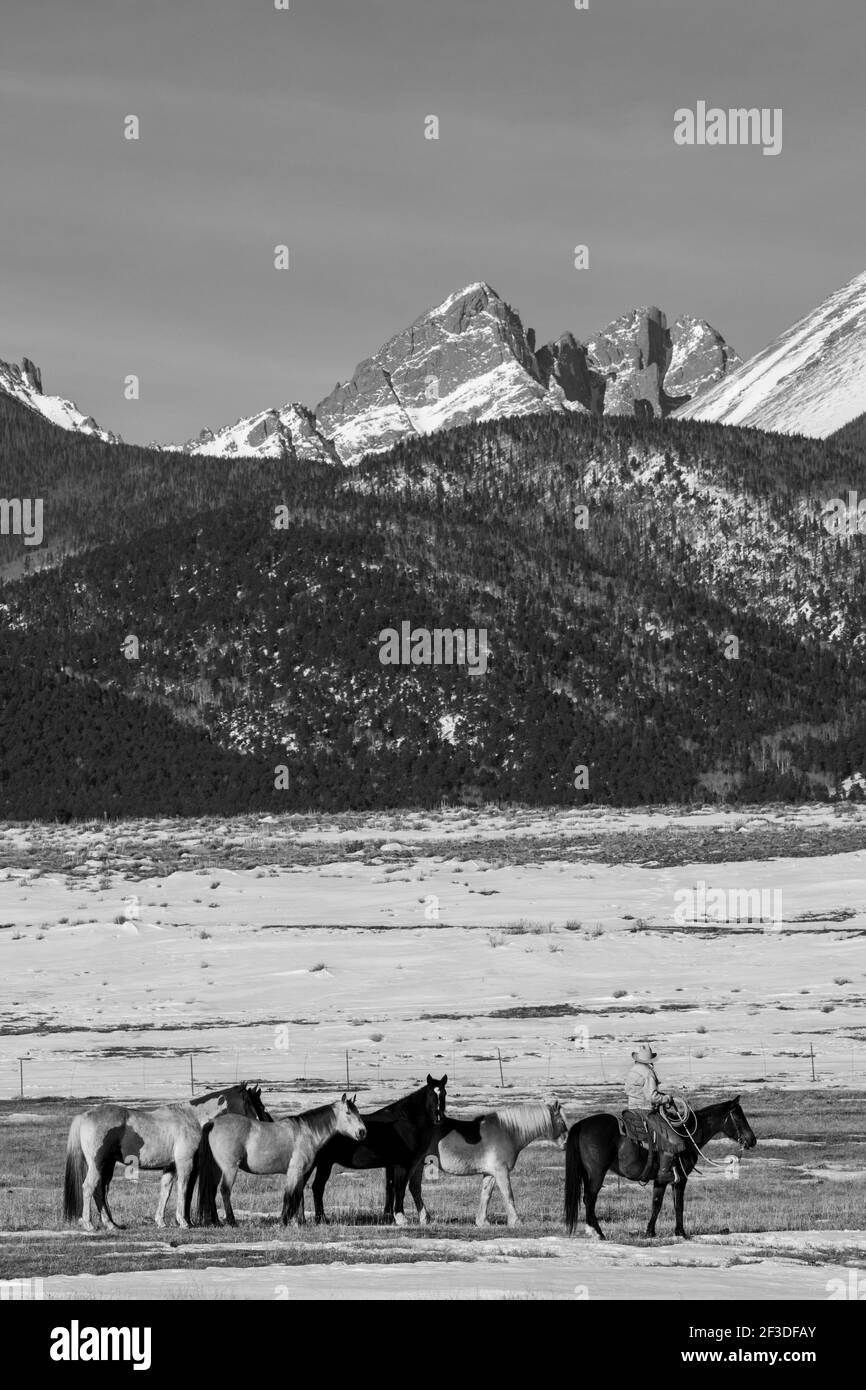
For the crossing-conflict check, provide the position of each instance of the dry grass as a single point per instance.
(773, 1192)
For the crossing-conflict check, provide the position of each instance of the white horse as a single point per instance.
(165, 1137)
(491, 1144)
(232, 1144)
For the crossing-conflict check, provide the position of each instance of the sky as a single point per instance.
(261, 127)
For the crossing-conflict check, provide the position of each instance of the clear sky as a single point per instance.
(306, 127)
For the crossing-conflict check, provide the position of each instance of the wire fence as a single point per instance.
(176, 1076)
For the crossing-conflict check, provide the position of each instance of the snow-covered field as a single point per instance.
(800, 1266)
(379, 945)
(111, 974)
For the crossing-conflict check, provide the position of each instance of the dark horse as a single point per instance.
(398, 1137)
(596, 1147)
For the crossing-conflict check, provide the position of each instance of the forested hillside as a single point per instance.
(695, 632)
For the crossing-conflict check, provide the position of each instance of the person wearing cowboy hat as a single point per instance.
(646, 1098)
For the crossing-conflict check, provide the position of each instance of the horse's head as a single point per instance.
(435, 1099)
(349, 1121)
(254, 1096)
(559, 1124)
(737, 1127)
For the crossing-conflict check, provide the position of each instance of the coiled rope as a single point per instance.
(685, 1115)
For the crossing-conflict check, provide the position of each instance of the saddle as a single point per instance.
(633, 1125)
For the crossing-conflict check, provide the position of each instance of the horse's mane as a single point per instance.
(524, 1121)
(212, 1095)
(398, 1106)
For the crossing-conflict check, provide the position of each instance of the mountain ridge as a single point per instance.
(468, 358)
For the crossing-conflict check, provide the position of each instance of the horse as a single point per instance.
(596, 1147)
(165, 1137)
(398, 1136)
(491, 1144)
(232, 1142)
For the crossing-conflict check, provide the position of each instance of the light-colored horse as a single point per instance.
(165, 1137)
(285, 1146)
(491, 1144)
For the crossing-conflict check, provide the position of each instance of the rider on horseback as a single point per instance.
(648, 1103)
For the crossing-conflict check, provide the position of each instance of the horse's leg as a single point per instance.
(659, 1189)
(415, 1180)
(594, 1175)
(105, 1177)
(679, 1205)
(293, 1194)
(88, 1190)
(488, 1182)
(184, 1178)
(401, 1177)
(323, 1172)
(503, 1182)
(227, 1182)
(166, 1183)
(388, 1210)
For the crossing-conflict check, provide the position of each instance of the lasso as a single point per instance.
(685, 1114)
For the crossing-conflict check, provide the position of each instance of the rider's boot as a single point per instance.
(669, 1170)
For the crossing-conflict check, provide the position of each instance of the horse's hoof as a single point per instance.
(481, 1221)
(423, 1218)
(184, 1225)
(158, 1223)
(399, 1219)
(591, 1231)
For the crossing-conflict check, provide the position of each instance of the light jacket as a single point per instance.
(642, 1087)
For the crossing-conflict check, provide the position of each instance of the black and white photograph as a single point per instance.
(433, 670)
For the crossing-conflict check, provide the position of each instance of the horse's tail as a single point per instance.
(76, 1167)
(207, 1181)
(575, 1177)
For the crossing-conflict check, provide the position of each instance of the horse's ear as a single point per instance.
(343, 1096)
(429, 1079)
(243, 1085)
(222, 1102)
(354, 1097)
(444, 1080)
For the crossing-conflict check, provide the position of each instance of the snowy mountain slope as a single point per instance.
(24, 384)
(700, 358)
(811, 380)
(288, 433)
(467, 359)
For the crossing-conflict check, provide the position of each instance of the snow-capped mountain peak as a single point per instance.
(810, 380)
(289, 432)
(24, 384)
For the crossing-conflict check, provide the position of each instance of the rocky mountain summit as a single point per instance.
(24, 384)
(471, 358)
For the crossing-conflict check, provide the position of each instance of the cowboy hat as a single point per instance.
(644, 1053)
